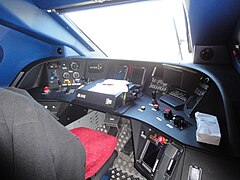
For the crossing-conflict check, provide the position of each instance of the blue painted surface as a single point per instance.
(36, 23)
(28, 33)
(74, 32)
(1, 54)
(212, 22)
(19, 51)
(41, 25)
(61, 4)
(53, 4)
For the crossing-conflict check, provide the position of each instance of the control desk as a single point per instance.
(161, 108)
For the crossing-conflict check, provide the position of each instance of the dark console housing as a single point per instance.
(161, 108)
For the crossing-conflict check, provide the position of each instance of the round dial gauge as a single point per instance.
(76, 75)
(66, 75)
(74, 66)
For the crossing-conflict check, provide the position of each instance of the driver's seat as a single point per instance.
(33, 145)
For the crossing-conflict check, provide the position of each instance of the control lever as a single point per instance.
(83, 80)
(154, 100)
(154, 97)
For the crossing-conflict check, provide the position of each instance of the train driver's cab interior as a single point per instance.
(120, 89)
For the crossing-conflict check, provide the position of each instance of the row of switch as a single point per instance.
(167, 113)
(47, 90)
(178, 121)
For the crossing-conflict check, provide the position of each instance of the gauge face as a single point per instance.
(74, 66)
(76, 75)
(66, 75)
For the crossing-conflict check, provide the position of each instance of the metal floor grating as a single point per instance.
(123, 166)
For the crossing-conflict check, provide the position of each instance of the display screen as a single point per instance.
(151, 154)
(138, 76)
(189, 81)
(181, 79)
(172, 77)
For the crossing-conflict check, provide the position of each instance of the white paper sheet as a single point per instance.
(111, 86)
(208, 130)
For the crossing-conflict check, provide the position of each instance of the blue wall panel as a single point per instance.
(19, 50)
(52, 4)
(25, 17)
(212, 21)
(28, 33)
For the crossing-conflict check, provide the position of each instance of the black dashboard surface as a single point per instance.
(182, 90)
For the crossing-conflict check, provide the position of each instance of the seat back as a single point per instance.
(33, 145)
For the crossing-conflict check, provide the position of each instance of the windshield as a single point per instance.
(151, 30)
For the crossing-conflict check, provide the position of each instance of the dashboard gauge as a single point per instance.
(76, 75)
(66, 75)
(74, 66)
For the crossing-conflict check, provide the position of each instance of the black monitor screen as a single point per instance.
(138, 75)
(172, 77)
(151, 154)
(190, 81)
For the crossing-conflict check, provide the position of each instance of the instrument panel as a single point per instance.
(67, 73)
(179, 87)
(167, 98)
(64, 73)
(170, 94)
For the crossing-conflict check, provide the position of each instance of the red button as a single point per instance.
(167, 110)
(156, 106)
(46, 89)
(161, 139)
